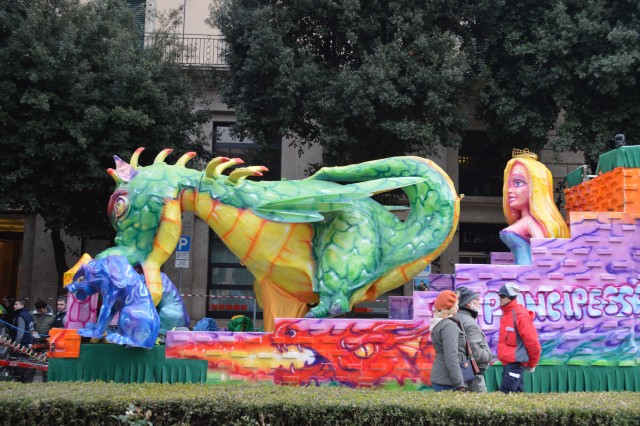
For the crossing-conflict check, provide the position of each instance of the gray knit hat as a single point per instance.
(466, 295)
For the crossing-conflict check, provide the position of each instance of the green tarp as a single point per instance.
(625, 156)
(574, 178)
(572, 378)
(126, 365)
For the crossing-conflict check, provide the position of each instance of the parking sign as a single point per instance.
(184, 243)
(182, 252)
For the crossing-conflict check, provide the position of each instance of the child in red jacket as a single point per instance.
(518, 345)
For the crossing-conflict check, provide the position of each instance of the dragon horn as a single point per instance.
(239, 174)
(222, 167)
(211, 167)
(134, 158)
(124, 170)
(162, 155)
(114, 175)
(185, 158)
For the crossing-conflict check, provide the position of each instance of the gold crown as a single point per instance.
(523, 153)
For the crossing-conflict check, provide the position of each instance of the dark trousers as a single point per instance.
(512, 378)
(440, 388)
(20, 374)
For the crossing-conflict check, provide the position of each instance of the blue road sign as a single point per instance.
(184, 243)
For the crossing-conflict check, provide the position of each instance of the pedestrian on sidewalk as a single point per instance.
(22, 334)
(61, 307)
(469, 302)
(518, 344)
(43, 317)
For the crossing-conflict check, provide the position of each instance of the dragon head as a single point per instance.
(145, 210)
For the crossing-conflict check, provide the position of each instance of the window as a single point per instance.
(11, 237)
(481, 237)
(253, 154)
(139, 12)
(474, 258)
(481, 165)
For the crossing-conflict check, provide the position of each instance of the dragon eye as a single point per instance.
(120, 206)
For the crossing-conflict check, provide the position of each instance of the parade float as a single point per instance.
(324, 241)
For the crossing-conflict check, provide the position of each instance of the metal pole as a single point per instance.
(184, 17)
(255, 303)
(179, 279)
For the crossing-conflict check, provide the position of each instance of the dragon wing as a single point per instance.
(309, 208)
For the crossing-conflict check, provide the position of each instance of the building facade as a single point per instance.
(215, 283)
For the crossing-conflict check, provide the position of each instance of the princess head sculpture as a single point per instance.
(527, 202)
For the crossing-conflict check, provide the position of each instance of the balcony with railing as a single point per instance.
(198, 50)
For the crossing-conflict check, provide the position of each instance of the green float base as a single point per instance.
(114, 363)
(572, 378)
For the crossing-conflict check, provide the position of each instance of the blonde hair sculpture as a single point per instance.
(541, 204)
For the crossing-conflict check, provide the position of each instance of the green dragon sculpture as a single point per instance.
(311, 241)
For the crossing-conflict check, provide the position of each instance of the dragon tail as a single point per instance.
(430, 225)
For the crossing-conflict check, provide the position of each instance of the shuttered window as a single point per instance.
(139, 8)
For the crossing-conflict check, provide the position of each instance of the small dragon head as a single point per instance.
(83, 287)
(98, 275)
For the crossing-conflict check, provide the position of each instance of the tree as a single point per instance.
(364, 79)
(576, 60)
(75, 89)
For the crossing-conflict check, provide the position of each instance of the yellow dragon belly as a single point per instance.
(279, 253)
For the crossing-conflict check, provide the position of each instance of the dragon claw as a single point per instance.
(338, 306)
(319, 311)
(335, 310)
(119, 339)
(90, 332)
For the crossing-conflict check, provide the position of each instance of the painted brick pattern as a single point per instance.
(615, 191)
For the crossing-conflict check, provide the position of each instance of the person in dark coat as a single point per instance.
(469, 303)
(22, 334)
(61, 307)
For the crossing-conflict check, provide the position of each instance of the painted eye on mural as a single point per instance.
(366, 350)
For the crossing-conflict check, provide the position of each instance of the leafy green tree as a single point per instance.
(577, 60)
(364, 79)
(76, 88)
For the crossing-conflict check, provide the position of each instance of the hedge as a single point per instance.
(98, 403)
